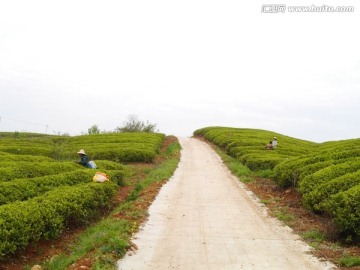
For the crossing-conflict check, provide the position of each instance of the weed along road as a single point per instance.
(203, 218)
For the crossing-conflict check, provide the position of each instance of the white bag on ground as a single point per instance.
(92, 164)
(100, 177)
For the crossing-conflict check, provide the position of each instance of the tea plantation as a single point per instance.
(326, 174)
(43, 191)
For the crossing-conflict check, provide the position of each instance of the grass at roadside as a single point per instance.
(101, 245)
(238, 169)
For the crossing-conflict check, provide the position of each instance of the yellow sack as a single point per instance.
(101, 177)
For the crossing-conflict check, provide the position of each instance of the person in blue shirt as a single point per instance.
(84, 159)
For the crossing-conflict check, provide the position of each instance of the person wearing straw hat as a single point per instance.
(85, 160)
(274, 143)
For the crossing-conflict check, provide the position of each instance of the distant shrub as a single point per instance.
(133, 124)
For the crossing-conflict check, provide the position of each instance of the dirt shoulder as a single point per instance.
(286, 204)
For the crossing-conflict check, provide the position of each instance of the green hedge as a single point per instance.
(256, 161)
(109, 165)
(248, 146)
(28, 150)
(296, 169)
(23, 169)
(120, 147)
(345, 209)
(25, 188)
(318, 196)
(122, 154)
(28, 158)
(334, 170)
(46, 216)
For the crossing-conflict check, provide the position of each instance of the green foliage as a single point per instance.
(248, 146)
(25, 188)
(119, 147)
(6, 157)
(135, 125)
(283, 215)
(344, 206)
(298, 168)
(316, 197)
(44, 217)
(94, 129)
(314, 235)
(349, 261)
(334, 170)
(22, 169)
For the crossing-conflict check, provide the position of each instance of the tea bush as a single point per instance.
(344, 207)
(318, 196)
(336, 169)
(25, 188)
(45, 217)
(248, 145)
(120, 147)
(22, 169)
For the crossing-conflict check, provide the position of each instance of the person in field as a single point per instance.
(269, 146)
(85, 160)
(274, 143)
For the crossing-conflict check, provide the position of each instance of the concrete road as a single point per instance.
(203, 218)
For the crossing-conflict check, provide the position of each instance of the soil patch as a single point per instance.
(301, 220)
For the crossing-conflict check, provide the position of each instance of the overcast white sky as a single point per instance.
(181, 64)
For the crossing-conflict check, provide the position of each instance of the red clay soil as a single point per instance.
(289, 200)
